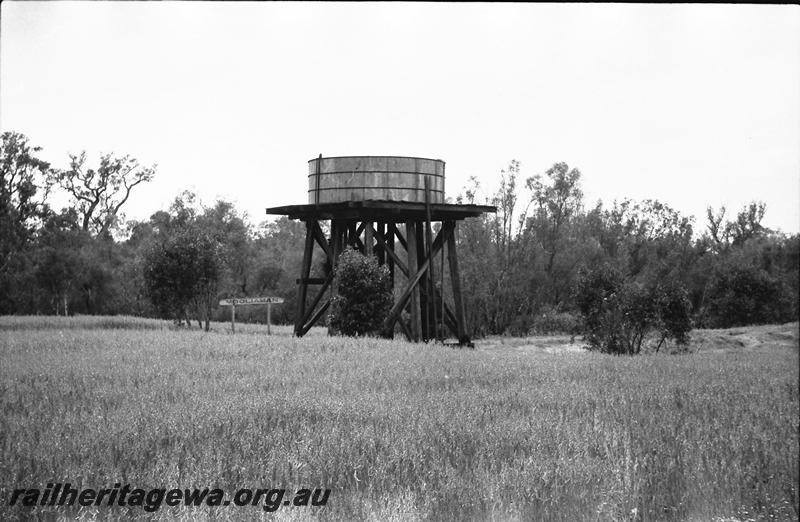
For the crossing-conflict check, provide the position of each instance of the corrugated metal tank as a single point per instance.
(384, 178)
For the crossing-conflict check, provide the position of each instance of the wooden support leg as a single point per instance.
(448, 318)
(385, 245)
(369, 232)
(310, 318)
(339, 230)
(455, 280)
(411, 234)
(380, 252)
(389, 250)
(305, 269)
(424, 304)
(442, 315)
(431, 278)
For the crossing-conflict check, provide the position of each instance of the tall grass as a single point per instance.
(125, 322)
(400, 431)
(80, 322)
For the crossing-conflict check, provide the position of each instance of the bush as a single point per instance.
(741, 294)
(594, 289)
(674, 313)
(550, 321)
(183, 273)
(364, 295)
(620, 315)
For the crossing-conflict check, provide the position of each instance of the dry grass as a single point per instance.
(397, 431)
(125, 322)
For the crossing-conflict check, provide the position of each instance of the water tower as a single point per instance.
(387, 206)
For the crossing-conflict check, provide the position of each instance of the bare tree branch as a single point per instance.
(100, 193)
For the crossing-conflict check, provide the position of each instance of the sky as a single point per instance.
(693, 105)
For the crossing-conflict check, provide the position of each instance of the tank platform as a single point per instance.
(387, 211)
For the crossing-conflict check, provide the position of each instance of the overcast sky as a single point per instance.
(691, 105)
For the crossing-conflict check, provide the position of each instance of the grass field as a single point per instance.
(517, 429)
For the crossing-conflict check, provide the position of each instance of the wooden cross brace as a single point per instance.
(344, 232)
(449, 318)
(413, 279)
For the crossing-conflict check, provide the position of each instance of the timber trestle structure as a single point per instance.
(400, 234)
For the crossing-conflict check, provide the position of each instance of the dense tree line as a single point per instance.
(540, 247)
(524, 267)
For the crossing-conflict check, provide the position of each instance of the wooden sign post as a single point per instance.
(251, 301)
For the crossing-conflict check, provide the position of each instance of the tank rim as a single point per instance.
(376, 156)
(346, 172)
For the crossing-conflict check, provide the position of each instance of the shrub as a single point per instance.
(620, 315)
(594, 289)
(364, 294)
(741, 294)
(182, 273)
(674, 318)
(550, 320)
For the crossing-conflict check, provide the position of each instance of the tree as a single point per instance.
(182, 273)
(59, 265)
(505, 200)
(478, 269)
(740, 294)
(100, 193)
(525, 257)
(621, 314)
(486, 245)
(277, 251)
(748, 223)
(23, 190)
(507, 297)
(558, 200)
(364, 296)
(674, 318)
(231, 231)
(717, 230)
(594, 288)
(23, 195)
(648, 239)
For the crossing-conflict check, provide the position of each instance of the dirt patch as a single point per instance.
(747, 338)
(702, 340)
(554, 344)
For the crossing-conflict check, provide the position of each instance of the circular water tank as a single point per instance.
(383, 178)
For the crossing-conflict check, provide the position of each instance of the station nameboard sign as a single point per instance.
(238, 301)
(250, 301)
